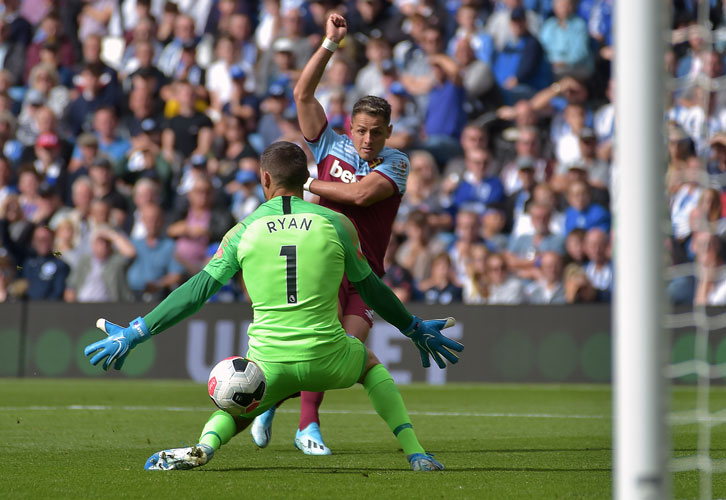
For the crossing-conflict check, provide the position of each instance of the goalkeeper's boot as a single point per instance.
(180, 458)
(310, 441)
(261, 428)
(424, 461)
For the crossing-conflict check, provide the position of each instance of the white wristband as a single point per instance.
(306, 186)
(329, 45)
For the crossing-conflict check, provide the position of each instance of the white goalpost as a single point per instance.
(641, 448)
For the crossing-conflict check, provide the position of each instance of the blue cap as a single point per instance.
(518, 14)
(244, 176)
(276, 90)
(236, 72)
(148, 125)
(397, 88)
(198, 160)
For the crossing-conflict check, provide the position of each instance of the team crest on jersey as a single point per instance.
(399, 166)
(375, 162)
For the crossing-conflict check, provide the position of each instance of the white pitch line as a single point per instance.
(283, 410)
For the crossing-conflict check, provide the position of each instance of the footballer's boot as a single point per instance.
(424, 461)
(180, 458)
(310, 441)
(261, 428)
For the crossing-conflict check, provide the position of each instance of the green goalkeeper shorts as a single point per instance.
(339, 370)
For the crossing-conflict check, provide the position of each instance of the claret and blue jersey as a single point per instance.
(338, 161)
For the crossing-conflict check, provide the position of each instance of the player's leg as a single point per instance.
(388, 403)
(357, 320)
(219, 429)
(222, 426)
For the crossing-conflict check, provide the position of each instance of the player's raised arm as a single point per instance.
(311, 114)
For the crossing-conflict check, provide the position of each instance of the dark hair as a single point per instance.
(286, 163)
(374, 106)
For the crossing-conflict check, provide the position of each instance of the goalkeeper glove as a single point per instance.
(119, 342)
(430, 342)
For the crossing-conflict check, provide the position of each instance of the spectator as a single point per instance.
(171, 55)
(416, 253)
(467, 234)
(198, 226)
(48, 161)
(219, 81)
(524, 255)
(274, 109)
(94, 18)
(478, 188)
(440, 287)
(242, 103)
(146, 192)
(707, 216)
(500, 27)
(230, 148)
(65, 245)
(683, 202)
(28, 186)
(154, 271)
(9, 288)
(469, 28)
(189, 132)
(577, 287)
(246, 194)
(94, 93)
(599, 269)
(405, 122)
(504, 288)
(110, 144)
(49, 31)
(444, 121)
(370, 78)
(15, 230)
(517, 201)
(397, 277)
(474, 285)
(711, 284)
(549, 288)
(79, 215)
(528, 150)
(14, 50)
(565, 39)
(104, 188)
(44, 88)
(520, 67)
(6, 175)
(100, 276)
(582, 213)
(493, 224)
(422, 193)
(45, 273)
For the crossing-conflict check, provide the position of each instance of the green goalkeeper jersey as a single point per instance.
(293, 255)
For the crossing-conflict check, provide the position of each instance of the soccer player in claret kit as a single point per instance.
(292, 255)
(358, 177)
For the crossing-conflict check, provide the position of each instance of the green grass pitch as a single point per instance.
(90, 438)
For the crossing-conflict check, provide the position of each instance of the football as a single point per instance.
(236, 385)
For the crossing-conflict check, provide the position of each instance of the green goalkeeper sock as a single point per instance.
(388, 403)
(220, 428)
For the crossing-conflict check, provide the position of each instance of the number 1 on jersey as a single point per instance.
(290, 253)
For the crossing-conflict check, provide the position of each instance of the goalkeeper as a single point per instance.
(293, 255)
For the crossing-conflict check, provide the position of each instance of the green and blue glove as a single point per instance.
(430, 342)
(119, 342)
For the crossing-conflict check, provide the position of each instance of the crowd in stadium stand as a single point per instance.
(131, 131)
